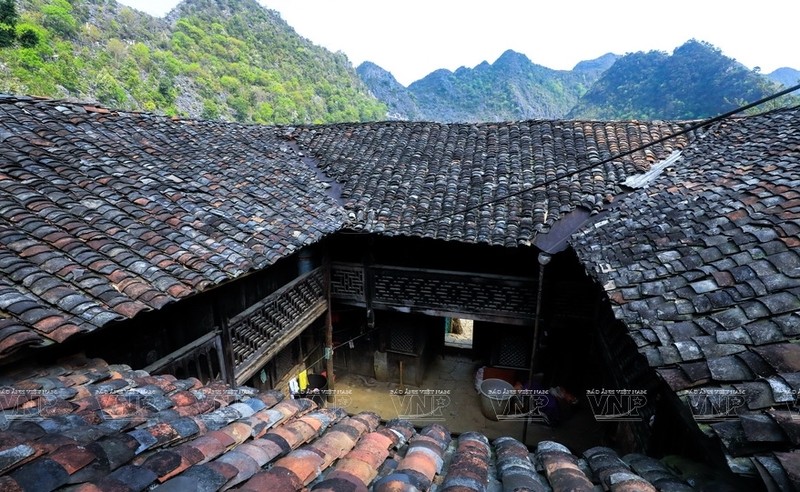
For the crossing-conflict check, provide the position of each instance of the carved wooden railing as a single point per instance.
(261, 331)
(485, 297)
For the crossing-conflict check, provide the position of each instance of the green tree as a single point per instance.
(8, 22)
(236, 58)
(58, 17)
(7, 35)
(8, 12)
(29, 35)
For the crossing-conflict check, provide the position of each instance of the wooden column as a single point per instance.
(328, 350)
(543, 260)
(227, 345)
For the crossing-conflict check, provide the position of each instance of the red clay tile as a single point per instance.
(356, 424)
(32, 404)
(18, 340)
(337, 481)
(372, 457)
(161, 383)
(50, 323)
(555, 463)
(634, 486)
(313, 422)
(270, 448)
(65, 331)
(420, 462)
(189, 453)
(77, 379)
(303, 430)
(246, 466)
(27, 385)
(183, 398)
(290, 435)
(209, 447)
(370, 420)
(8, 484)
(13, 398)
(275, 480)
(377, 439)
(305, 464)
(258, 426)
(178, 290)
(124, 410)
(571, 479)
(72, 457)
(163, 432)
(129, 309)
(291, 407)
(196, 383)
(166, 464)
(239, 432)
(365, 472)
(199, 408)
(51, 442)
(82, 392)
(270, 398)
(201, 425)
(225, 469)
(108, 400)
(255, 452)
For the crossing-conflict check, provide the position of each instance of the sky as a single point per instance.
(411, 38)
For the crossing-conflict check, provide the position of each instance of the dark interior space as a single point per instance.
(158, 333)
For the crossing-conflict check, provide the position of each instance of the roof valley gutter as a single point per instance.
(332, 187)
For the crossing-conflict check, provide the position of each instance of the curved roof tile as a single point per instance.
(703, 265)
(251, 440)
(107, 214)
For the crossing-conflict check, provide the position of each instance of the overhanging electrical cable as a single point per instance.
(686, 130)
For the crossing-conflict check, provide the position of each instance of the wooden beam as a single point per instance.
(510, 279)
(507, 318)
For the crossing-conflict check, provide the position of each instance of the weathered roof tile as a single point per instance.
(109, 197)
(725, 206)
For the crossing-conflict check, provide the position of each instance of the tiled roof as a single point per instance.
(105, 214)
(86, 426)
(704, 268)
(394, 175)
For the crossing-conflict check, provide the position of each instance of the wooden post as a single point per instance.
(328, 329)
(543, 259)
(227, 345)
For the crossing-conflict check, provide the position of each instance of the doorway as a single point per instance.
(458, 333)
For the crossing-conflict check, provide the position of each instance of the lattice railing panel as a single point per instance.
(452, 293)
(256, 328)
(441, 291)
(347, 281)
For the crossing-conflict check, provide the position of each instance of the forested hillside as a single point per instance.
(236, 60)
(696, 81)
(218, 59)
